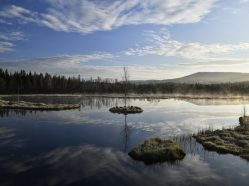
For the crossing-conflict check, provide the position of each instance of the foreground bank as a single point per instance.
(234, 141)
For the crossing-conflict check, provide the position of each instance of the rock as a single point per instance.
(156, 150)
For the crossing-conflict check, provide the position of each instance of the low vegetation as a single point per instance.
(156, 150)
(126, 110)
(4, 104)
(234, 141)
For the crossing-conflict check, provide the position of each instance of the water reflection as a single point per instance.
(89, 147)
(126, 132)
(18, 112)
(85, 101)
(8, 138)
(83, 164)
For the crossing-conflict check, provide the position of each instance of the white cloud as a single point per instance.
(7, 41)
(24, 15)
(163, 45)
(89, 16)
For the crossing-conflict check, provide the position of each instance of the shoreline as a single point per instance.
(135, 96)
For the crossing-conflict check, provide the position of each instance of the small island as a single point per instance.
(4, 104)
(156, 150)
(234, 141)
(126, 110)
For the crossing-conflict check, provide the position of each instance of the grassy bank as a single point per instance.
(234, 141)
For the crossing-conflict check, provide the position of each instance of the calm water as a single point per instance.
(89, 146)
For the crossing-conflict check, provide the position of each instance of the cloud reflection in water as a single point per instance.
(93, 165)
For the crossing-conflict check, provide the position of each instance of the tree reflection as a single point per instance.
(125, 132)
(85, 101)
(18, 112)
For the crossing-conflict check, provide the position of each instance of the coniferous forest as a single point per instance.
(33, 83)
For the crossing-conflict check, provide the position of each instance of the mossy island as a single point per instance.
(4, 104)
(234, 141)
(126, 110)
(156, 150)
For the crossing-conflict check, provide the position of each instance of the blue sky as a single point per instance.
(157, 39)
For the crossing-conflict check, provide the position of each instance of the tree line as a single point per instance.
(23, 82)
(27, 82)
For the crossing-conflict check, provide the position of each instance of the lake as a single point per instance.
(90, 146)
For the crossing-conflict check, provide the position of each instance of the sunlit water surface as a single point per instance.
(89, 146)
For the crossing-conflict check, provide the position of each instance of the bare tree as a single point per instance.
(244, 111)
(125, 78)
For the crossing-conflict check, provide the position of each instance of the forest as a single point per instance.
(22, 82)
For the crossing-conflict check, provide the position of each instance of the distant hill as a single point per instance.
(205, 78)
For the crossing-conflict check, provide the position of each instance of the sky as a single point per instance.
(159, 39)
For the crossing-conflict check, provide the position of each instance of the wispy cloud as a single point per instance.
(244, 1)
(161, 43)
(12, 36)
(6, 46)
(218, 62)
(23, 15)
(63, 64)
(58, 62)
(7, 41)
(89, 16)
(73, 65)
(4, 22)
